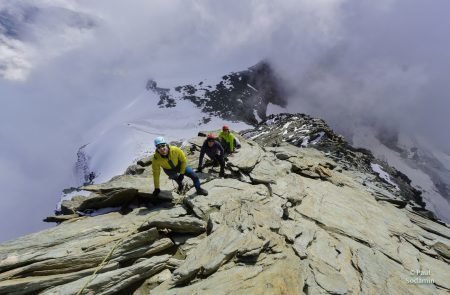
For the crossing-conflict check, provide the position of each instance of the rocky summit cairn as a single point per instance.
(299, 212)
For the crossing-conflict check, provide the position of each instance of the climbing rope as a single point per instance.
(184, 187)
(183, 191)
(108, 256)
(100, 266)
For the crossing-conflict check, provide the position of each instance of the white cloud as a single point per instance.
(14, 59)
(37, 32)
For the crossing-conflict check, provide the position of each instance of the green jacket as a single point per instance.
(178, 158)
(228, 138)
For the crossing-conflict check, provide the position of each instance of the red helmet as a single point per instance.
(211, 136)
(225, 128)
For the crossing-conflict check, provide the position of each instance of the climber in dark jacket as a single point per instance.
(215, 152)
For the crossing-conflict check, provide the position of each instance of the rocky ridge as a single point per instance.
(299, 212)
(238, 96)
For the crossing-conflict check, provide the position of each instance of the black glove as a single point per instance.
(199, 169)
(180, 178)
(156, 192)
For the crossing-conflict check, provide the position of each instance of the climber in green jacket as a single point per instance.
(174, 163)
(227, 140)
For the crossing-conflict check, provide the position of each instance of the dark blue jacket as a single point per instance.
(215, 151)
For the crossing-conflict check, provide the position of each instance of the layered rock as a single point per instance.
(285, 220)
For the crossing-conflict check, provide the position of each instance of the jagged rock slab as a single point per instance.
(429, 225)
(67, 238)
(329, 278)
(71, 206)
(112, 198)
(375, 268)
(269, 169)
(246, 157)
(209, 255)
(183, 224)
(84, 242)
(284, 151)
(282, 277)
(143, 185)
(114, 281)
(220, 190)
(33, 284)
(352, 213)
(290, 187)
(153, 282)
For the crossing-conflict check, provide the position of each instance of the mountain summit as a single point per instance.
(245, 99)
(299, 212)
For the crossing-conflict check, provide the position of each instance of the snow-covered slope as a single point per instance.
(423, 164)
(237, 99)
(128, 134)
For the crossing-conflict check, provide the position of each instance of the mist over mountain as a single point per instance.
(68, 66)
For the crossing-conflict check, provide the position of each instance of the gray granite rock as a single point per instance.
(284, 221)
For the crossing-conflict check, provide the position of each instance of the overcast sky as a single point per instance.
(64, 65)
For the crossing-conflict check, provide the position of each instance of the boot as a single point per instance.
(180, 187)
(201, 191)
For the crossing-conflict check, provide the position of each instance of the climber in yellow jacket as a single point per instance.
(174, 163)
(227, 140)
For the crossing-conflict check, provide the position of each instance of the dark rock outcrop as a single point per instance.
(241, 96)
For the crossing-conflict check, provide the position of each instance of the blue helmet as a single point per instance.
(159, 140)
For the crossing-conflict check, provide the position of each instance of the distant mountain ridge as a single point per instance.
(244, 97)
(241, 96)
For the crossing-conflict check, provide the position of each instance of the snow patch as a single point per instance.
(69, 196)
(305, 141)
(321, 134)
(250, 86)
(228, 85)
(286, 125)
(383, 175)
(270, 122)
(255, 113)
(259, 134)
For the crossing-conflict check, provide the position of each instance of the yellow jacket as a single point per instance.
(178, 158)
(228, 138)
